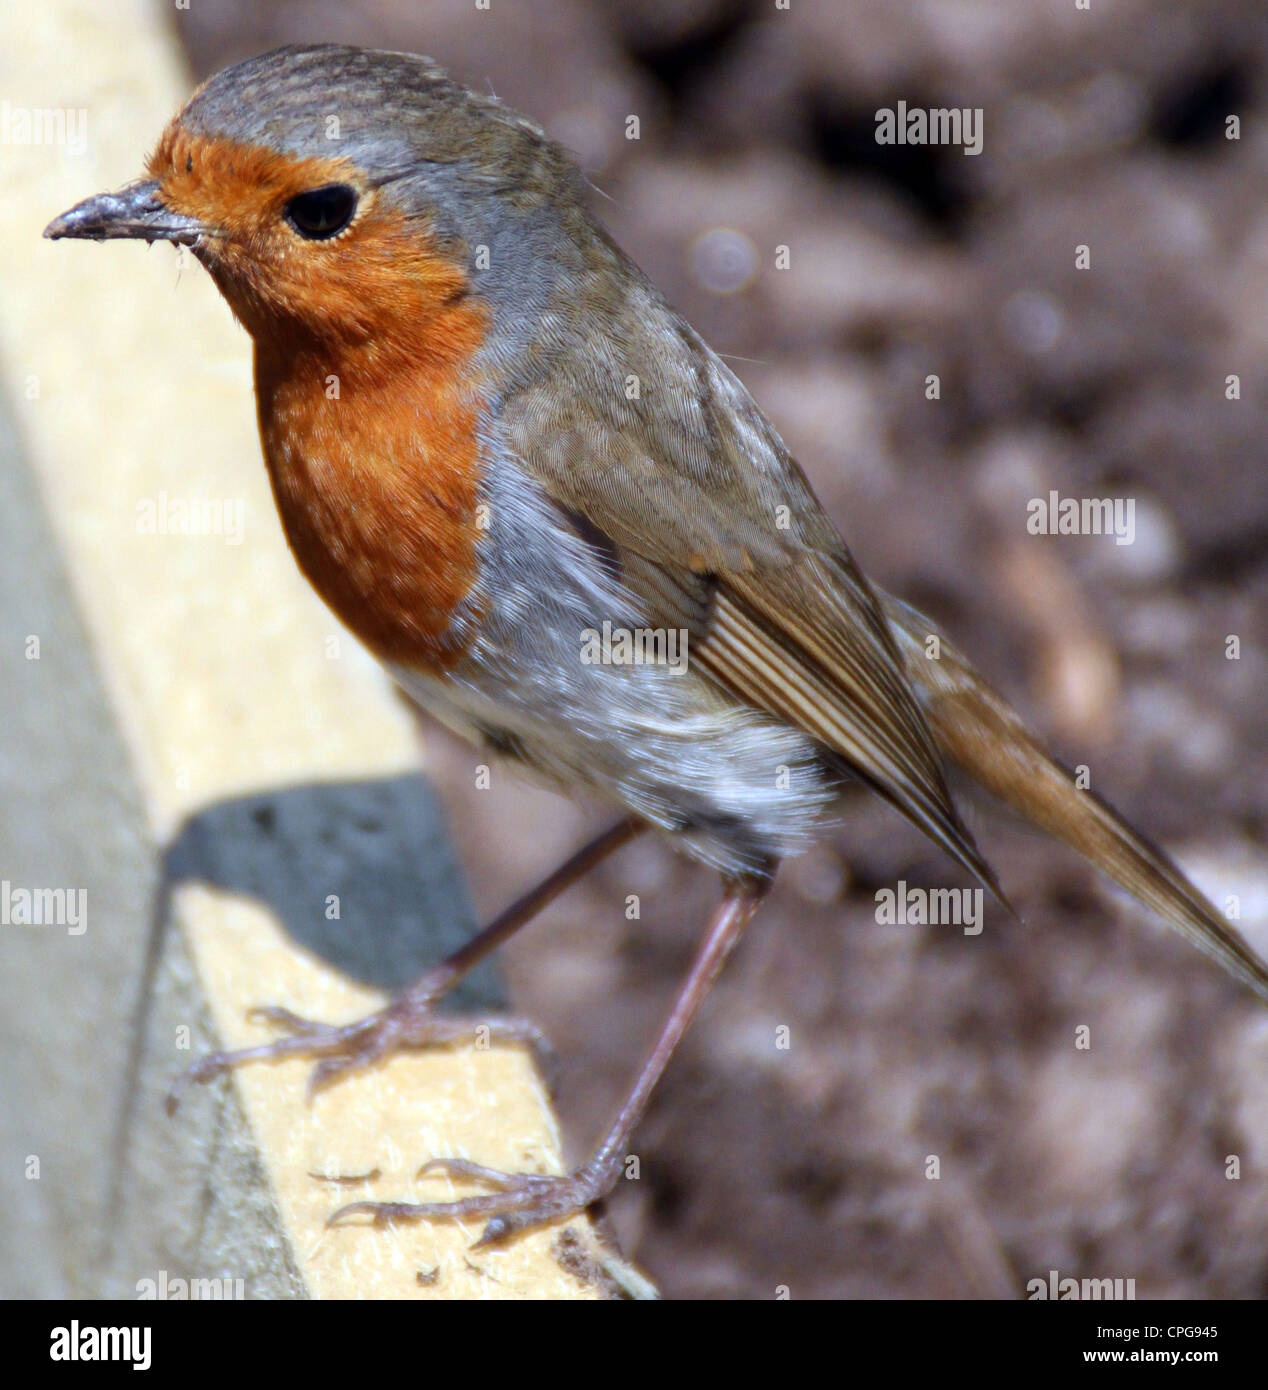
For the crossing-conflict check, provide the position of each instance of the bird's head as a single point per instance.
(350, 193)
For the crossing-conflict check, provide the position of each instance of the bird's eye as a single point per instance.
(322, 212)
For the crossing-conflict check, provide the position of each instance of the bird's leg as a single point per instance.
(410, 1020)
(523, 1200)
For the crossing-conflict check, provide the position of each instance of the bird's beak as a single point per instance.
(134, 211)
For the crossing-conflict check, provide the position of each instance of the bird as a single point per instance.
(515, 472)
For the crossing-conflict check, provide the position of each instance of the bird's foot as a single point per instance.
(408, 1022)
(519, 1201)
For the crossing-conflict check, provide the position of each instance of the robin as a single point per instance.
(530, 466)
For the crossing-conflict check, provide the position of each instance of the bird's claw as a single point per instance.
(408, 1022)
(280, 1017)
(520, 1202)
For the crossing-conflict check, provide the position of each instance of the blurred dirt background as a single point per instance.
(806, 1167)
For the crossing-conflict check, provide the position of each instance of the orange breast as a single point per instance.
(376, 471)
(367, 394)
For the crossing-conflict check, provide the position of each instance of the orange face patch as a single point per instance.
(378, 275)
(368, 400)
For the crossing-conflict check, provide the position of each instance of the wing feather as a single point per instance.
(711, 523)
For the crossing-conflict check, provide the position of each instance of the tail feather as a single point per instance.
(979, 732)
